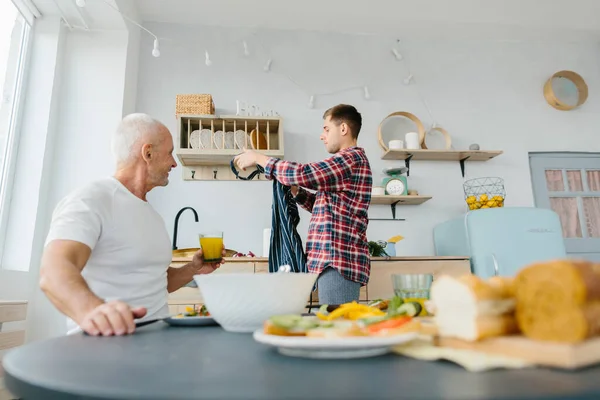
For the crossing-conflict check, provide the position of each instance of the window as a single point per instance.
(569, 184)
(14, 40)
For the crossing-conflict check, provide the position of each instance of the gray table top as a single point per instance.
(162, 362)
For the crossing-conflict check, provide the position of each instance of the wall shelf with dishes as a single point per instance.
(207, 143)
(440, 155)
(434, 144)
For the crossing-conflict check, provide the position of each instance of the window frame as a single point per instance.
(14, 128)
(539, 162)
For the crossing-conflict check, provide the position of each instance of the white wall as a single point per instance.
(484, 92)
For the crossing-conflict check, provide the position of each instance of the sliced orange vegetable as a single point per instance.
(388, 324)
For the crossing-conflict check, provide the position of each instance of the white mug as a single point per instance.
(378, 191)
(396, 144)
(412, 141)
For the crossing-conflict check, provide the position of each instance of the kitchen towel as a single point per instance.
(286, 243)
(473, 361)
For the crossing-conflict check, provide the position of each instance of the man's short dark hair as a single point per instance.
(347, 114)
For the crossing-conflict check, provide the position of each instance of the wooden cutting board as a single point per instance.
(566, 356)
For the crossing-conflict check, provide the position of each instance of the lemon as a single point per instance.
(471, 199)
(498, 198)
(483, 197)
(477, 205)
(491, 203)
(485, 206)
(471, 206)
(395, 239)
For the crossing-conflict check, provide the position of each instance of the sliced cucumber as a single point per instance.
(412, 309)
(373, 320)
(307, 323)
(323, 309)
(286, 321)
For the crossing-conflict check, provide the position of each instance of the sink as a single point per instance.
(189, 252)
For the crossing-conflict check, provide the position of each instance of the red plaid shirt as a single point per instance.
(337, 234)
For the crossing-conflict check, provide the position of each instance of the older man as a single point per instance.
(107, 255)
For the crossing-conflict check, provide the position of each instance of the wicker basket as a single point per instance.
(484, 193)
(195, 104)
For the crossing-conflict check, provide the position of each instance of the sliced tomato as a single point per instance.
(388, 324)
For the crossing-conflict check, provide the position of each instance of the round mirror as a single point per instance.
(565, 90)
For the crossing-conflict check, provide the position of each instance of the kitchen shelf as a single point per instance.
(393, 201)
(229, 135)
(402, 200)
(440, 155)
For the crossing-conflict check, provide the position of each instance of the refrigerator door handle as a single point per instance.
(495, 264)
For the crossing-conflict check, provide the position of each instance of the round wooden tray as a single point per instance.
(412, 117)
(443, 132)
(577, 80)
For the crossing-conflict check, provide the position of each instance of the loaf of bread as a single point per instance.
(559, 300)
(470, 308)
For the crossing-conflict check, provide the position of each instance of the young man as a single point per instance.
(337, 242)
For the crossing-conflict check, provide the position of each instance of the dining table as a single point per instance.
(160, 361)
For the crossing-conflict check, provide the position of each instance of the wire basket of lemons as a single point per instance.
(484, 193)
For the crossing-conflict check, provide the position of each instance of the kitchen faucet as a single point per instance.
(177, 223)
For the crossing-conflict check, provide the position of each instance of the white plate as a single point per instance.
(191, 321)
(351, 347)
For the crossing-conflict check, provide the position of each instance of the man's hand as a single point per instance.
(250, 158)
(201, 267)
(246, 160)
(112, 318)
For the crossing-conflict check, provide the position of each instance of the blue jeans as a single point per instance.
(334, 289)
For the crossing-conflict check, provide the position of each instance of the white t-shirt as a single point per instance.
(131, 250)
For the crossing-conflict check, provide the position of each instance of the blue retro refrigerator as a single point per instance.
(501, 241)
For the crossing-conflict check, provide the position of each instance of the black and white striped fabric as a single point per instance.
(286, 244)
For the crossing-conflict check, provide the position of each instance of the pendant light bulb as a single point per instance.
(367, 94)
(207, 60)
(311, 102)
(397, 55)
(156, 50)
(268, 65)
(246, 51)
(80, 3)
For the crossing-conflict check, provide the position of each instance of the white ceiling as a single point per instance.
(495, 19)
(437, 18)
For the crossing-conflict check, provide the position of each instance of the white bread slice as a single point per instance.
(472, 329)
(471, 309)
(471, 296)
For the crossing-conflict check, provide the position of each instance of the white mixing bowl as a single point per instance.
(243, 302)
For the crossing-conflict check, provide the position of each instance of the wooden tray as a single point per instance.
(566, 356)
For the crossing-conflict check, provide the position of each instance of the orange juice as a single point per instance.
(212, 247)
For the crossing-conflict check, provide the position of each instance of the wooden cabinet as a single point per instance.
(10, 312)
(379, 286)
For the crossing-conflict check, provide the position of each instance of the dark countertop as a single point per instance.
(162, 362)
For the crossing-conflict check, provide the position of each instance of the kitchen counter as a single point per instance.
(266, 260)
(380, 280)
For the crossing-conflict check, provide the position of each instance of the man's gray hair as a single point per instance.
(132, 129)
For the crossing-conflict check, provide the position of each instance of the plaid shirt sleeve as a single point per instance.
(305, 199)
(328, 175)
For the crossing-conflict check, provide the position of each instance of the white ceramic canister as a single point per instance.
(396, 145)
(412, 141)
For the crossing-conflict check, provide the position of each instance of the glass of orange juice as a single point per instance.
(413, 287)
(212, 246)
